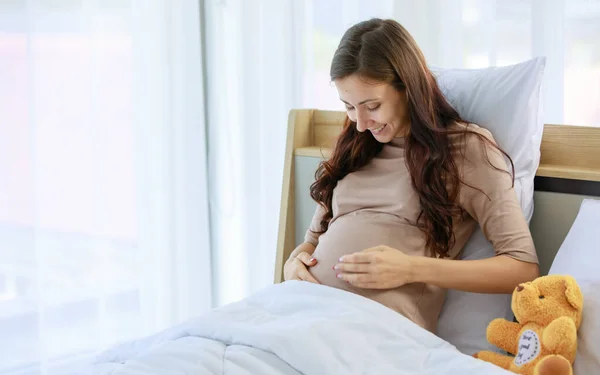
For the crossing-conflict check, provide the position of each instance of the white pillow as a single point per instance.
(507, 102)
(579, 257)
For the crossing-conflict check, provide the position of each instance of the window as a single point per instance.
(68, 277)
(582, 62)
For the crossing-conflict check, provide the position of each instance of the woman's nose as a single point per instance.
(362, 122)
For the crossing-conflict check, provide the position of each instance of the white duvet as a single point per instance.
(293, 328)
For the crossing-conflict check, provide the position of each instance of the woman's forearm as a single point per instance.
(500, 274)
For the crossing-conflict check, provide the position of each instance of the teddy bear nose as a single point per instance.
(520, 288)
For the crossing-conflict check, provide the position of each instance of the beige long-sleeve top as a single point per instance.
(371, 205)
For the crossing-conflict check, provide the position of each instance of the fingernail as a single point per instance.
(335, 267)
(341, 259)
(339, 276)
(311, 260)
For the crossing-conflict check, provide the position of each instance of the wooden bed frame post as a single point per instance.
(299, 134)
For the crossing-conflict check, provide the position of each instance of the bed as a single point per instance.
(279, 330)
(302, 328)
(567, 175)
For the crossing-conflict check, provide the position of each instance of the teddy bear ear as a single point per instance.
(573, 293)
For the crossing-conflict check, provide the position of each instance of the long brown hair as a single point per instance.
(384, 51)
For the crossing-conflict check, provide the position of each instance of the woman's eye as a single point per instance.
(374, 108)
(349, 108)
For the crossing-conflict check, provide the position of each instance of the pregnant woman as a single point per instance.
(405, 187)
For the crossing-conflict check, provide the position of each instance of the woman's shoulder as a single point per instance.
(470, 137)
(473, 144)
(468, 131)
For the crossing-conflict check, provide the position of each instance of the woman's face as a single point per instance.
(374, 106)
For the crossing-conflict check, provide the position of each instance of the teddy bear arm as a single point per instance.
(560, 337)
(504, 334)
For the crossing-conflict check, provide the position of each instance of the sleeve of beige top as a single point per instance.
(495, 205)
(312, 235)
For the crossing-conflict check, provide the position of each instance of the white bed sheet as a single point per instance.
(290, 328)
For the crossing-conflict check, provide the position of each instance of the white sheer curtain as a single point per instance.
(103, 199)
(475, 34)
(252, 78)
(267, 56)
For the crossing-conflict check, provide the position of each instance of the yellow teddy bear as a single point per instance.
(544, 341)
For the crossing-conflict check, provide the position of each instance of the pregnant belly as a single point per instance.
(353, 233)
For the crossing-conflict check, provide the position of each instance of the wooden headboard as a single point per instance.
(569, 171)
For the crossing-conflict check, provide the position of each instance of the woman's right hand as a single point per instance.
(296, 267)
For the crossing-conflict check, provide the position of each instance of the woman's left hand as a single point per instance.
(380, 267)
